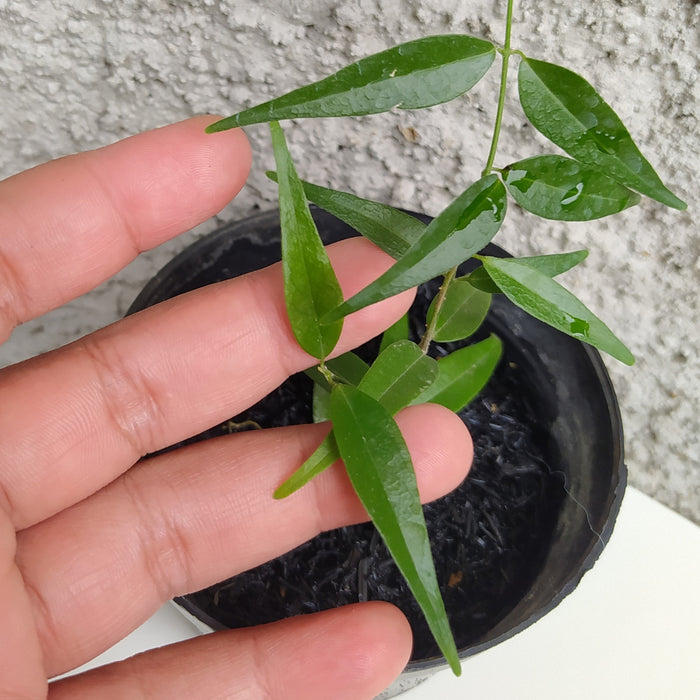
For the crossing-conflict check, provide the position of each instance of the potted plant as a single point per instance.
(476, 319)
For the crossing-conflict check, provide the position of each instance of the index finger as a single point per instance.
(68, 225)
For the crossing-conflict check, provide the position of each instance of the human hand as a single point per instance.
(92, 542)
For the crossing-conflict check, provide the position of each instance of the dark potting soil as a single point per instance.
(488, 536)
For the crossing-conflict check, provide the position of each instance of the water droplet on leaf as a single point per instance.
(579, 328)
(572, 195)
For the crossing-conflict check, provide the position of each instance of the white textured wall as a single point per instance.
(78, 75)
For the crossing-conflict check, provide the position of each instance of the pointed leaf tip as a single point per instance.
(463, 228)
(565, 108)
(463, 374)
(380, 469)
(538, 294)
(417, 74)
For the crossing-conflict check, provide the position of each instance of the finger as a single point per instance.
(345, 654)
(21, 663)
(76, 418)
(187, 519)
(70, 224)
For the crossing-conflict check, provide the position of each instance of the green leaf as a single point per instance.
(417, 74)
(399, 331)
(550, 265)
(322, 458)
(567, 110)
(320, 402)
(398, 375)
(553, 265)
(480, 279)
(391, 385)
(348, 368)
(380, 469)
(548, 301)
(463, 309)
(459, 231)
(393, 230)
(463, 374)
(311, 288)
(555, 187)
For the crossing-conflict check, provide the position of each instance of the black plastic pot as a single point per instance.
(563, 389)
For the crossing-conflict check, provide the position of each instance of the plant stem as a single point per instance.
(439, 299)
(328, 375)
(450, 275)
(506, 52)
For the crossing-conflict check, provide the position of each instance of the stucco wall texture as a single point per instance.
(75, 76)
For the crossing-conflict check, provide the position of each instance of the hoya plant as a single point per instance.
(603, 173)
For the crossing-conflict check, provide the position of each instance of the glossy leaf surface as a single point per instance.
(567, 110)
(547, 300)
(413, 75)
(551, 265)
(555, 264)
(380, 469)
(398, 375)
(463, 374)
(391, 229)
(311, 288)
(461, 313)
(463, 228)
(555, 187)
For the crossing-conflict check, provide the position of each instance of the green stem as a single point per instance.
(328, 375)
(439, 299)
(506, 53)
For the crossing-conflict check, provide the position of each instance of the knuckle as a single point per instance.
(165, 550)
(129, 399)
